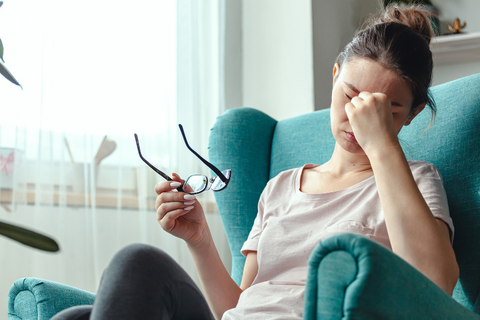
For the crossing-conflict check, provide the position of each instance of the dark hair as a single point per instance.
(400, 41)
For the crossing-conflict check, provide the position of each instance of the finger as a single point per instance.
(166, 208)
(169, 220)
(187, 188)
(173, 197)
(381, 98)
(166, 186)
(349, 109)
(356, 101)
(176, 177)
(365, 95)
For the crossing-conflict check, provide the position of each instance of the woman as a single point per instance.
(380, 84)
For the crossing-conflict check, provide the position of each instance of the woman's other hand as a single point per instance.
(179, 213)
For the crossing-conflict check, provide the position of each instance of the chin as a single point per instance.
(351, 147)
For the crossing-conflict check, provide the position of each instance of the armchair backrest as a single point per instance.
(257, 148)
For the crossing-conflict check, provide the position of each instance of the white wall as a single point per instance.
(289, 48)
(453, 71)
(277, 57)
(233, 71)
(334, 25)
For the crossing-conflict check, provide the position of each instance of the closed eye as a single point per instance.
(348, 96)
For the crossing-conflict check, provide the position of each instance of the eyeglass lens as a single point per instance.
(195, 183)
(198, 183)
(218, 184)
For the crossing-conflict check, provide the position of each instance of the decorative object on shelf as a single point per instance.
(425, 4)
(3, 69)
(457, 26)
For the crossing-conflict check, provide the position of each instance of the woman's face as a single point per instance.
(360, 75)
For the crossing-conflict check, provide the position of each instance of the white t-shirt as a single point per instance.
(290, 223)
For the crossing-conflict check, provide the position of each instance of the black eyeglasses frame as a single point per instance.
(208, 164)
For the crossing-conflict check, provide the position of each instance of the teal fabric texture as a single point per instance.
(241, 140)
(452, 144)
(303, 139)
(350, 277)
(32, 298)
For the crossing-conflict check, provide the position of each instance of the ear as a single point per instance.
(414, 114)
(336, 71)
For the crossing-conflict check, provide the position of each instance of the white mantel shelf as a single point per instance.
(456, 48)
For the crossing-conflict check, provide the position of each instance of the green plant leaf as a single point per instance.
(28, 237)
(7, 74)
(1, 49)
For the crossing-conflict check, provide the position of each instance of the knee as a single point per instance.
(141, 256)
(81, 312)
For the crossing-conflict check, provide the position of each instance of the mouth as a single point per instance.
(351, 136)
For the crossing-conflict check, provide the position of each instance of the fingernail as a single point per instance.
(189, 203)
(175, 184)
(189, 197)
(188, 208)
(176, 175)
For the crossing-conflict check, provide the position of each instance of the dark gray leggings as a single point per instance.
(143, 282)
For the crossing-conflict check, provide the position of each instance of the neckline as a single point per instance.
(325, 195)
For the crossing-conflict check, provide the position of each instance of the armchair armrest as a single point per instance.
(32, 298)
(353, 277)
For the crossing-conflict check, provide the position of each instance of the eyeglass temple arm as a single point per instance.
(208, 164)
(148, 163)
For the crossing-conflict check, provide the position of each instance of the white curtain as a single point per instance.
(94, 73)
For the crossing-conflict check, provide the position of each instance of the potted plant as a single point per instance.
(16, 233)
(427, 5)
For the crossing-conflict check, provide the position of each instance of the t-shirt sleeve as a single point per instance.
(430, 184)
(251, 244)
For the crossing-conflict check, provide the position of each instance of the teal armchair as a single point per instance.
(349, 276)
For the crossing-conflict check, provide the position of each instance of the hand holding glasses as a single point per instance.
(196, 183)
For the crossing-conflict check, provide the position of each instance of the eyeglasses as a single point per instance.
(196, 183)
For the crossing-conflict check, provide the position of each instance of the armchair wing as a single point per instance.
(241, 140)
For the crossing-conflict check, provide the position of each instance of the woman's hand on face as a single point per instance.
(370, 115)
(179, 213)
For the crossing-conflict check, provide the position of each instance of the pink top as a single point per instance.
(291, 223)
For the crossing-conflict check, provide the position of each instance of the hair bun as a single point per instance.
(415, 17)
